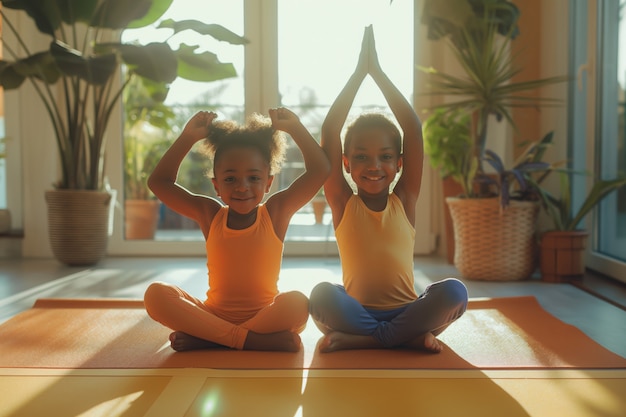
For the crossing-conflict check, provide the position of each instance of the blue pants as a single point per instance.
(441, 303)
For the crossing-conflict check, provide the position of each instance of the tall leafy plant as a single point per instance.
(479, 34)
(84, 60)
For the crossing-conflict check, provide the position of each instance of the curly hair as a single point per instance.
(256, 133)
(370, 121)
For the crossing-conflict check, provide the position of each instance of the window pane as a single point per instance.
(225, 97)
(3, 170)
(318, 46)
(612, 216)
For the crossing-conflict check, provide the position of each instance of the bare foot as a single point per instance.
(340, 341)
(280, 341)
(427, 342)
(181, 342)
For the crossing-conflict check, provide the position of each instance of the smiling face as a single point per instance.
(372, 160)
(242, 178)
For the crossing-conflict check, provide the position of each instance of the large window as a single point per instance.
(300, 55)
(609, 130)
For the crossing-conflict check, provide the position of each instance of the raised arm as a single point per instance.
(336, 189)
(162, 180)
(283, 204)
(408, 185)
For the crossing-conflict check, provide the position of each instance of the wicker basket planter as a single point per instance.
(78, 225)
(493, 244)
(563, 255)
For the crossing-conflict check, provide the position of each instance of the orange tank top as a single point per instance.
(376, 250)
(243, 265)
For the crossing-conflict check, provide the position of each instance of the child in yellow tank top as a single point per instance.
(244, 238)
(377, 307)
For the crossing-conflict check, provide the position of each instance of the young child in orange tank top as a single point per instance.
(377, 307)
(244, 237)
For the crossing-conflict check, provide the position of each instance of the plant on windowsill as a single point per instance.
(147, 123)
(479, 34)
(84, 60)
(563, 246)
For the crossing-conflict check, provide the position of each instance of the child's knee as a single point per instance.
(322, 292)
(155, 295)
(455, 295)
(451, 292)
(296, 304)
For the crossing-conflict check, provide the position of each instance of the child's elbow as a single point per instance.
(151, 182)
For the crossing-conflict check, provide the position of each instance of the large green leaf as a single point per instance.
(97, 69)
(157, 9)
(40, 65)
(9, 78)
(117, 14)
(219, 32)
(155, 61)
(203, 67)
(73, 11)
(45, 13)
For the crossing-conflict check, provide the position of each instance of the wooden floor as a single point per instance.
(596, 305)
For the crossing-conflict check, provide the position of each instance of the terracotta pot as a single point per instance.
(78, 225)
(562, 256)
(141, 218)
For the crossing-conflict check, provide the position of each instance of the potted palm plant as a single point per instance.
(563, 246)
(479, 33)
(83, 63)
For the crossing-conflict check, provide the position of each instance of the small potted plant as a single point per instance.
(146, 125)
(479, 34)
(563, 246)
(449, 147)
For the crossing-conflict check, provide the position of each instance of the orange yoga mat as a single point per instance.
(500, 333)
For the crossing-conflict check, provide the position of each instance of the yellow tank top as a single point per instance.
(376, 250)
(244, 266)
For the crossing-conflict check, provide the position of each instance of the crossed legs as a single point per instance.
(348, 325)
(195, 326)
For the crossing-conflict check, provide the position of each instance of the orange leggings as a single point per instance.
(176, 309)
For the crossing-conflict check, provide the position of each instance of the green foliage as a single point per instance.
(560, 208)
(479, 33)
(448, 144)
(146, 127)
(85, 57)
(521, 181)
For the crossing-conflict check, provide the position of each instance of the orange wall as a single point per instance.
(527, 48)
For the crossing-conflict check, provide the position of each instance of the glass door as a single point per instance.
(608, 253)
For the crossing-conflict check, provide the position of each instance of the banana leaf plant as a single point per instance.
(84, 62)
(479, 33)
